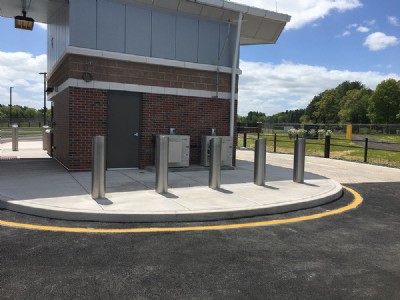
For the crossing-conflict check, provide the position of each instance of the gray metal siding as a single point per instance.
(57, 37)
(110, 26)
(163, 35)
(208, 42)
(227, 35)
(187, 39)
(83, 23)
(138, 31)
(127, 28)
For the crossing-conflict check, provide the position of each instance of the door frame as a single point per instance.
(139, 139)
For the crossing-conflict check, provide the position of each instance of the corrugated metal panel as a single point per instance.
(138, 31)
(83, 23)
(110, 26)
(163, 35)
(227, 35)
(208, 42)
(187, 39)
(57, 37)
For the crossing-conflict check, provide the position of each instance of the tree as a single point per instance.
(354, 107)
(328, 108)
(384, 103)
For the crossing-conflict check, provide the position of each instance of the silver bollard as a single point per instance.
(98, 167)
(14, 130)
(259, 162)
(45, 136)
(299, 160)
(214, 180)
(162, 145)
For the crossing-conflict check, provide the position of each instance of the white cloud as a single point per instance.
(393, 21)
(20, 70)
(306, 11)
(272, 88)
(370, 22)
(345, 33)
(363, 29)
(378, 41)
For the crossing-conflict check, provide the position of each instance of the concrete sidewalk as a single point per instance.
(37, 185)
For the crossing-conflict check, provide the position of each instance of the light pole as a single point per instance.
(44, 97)
(11, 87)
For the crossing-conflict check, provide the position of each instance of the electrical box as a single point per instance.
(179, 151)
(226, 150)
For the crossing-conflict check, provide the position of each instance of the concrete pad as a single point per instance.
(43, 187)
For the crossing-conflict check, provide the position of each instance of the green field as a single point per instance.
(340, 148)
(5, 132)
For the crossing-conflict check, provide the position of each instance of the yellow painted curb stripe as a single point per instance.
(356, 202)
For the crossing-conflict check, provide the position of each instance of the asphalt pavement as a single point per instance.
(350, 255)
(354, 255)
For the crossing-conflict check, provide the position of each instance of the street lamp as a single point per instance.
(11, 87)
(44, 97)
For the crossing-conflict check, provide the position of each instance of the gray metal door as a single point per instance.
(123, 140)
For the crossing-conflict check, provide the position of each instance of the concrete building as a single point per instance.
(130, 69)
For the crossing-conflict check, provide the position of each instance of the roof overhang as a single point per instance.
(259, 26)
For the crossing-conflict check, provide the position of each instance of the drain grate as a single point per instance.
(8, 157)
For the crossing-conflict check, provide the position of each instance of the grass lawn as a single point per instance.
(5, 132)
(340, 148)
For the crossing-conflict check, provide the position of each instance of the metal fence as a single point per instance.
(338, 129)
(5, 123)
(324, 148)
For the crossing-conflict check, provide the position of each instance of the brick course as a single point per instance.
(80, 114)
(108, 70)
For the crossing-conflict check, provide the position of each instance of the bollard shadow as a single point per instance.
(310, 184)
(222, 190)
(169, 195)
(104, 201)
(269, 187)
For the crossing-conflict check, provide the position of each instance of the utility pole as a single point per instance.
(44, 97)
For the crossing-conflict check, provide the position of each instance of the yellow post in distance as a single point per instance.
(349, 132)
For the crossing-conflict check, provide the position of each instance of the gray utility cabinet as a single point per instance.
(179, 151)
(226, 150)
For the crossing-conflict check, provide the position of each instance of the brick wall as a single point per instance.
(61, 127)
(88, 118)
(109, 70)
(79, 115)
(189, 115)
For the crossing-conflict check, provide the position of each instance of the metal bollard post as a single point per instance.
(14, 130)
(98, 167)
(259, 162)
(214, 179)
(299, 160)
(45, 136)
(162, 145)
(327, 148)
(366, 150)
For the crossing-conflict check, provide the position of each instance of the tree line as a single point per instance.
(349, 102)
(21, 112)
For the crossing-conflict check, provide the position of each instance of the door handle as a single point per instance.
(136, 134)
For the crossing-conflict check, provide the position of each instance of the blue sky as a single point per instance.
(326, 43)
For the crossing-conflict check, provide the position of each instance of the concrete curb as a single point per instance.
(182, 216)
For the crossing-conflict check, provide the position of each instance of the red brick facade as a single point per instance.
(191, 116)
(80, 114)
(109, 70)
